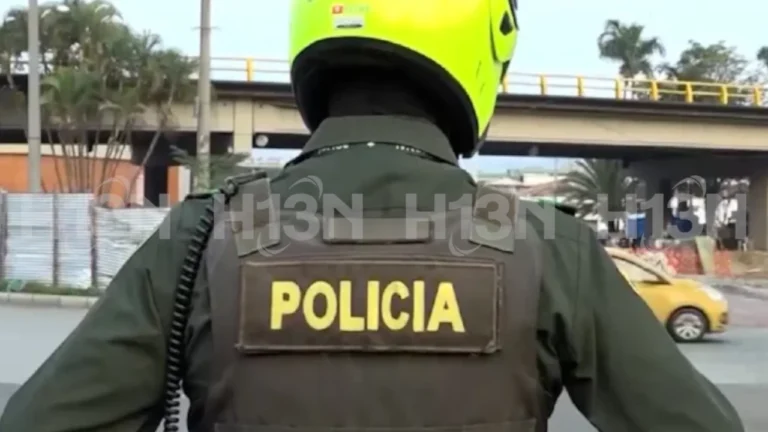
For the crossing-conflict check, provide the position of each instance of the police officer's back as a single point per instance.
(404, 316)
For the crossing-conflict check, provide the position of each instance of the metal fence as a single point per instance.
(64, 240)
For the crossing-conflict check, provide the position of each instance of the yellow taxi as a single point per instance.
(688, 309)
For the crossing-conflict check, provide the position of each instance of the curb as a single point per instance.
(49, 300)
(742, 290)
(742, 287)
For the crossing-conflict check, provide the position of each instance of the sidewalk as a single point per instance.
(62, 301)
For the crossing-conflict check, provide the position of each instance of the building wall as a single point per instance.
(14, 169)
(174, 182)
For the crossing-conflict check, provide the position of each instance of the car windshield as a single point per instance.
(634, 272)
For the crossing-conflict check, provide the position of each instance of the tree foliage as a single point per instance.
(699, 64)
(597, 182)
(716, 63)
(220, 166)
(626, 44)
(100, 81)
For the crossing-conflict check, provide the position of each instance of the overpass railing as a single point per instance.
(274, 70)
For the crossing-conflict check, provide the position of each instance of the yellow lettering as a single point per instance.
(347, 321)
(392, 322)
(418, 306)
(324, 321)
(446, 310)
(373, 305)
(286, 298)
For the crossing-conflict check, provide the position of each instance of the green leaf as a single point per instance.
(220, 166)
(593, 180)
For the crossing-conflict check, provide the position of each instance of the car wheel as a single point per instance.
(687, 325)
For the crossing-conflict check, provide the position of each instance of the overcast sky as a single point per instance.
(557, 37)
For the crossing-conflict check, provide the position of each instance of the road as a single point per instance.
(736, 361)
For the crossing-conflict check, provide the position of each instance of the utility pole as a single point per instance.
(33, 99)
(203, 177)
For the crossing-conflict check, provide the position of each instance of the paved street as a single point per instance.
(736, 361)
(747, 311)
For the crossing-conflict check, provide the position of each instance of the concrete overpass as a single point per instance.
(659, 141)
(583, 125)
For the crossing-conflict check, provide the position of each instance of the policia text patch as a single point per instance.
(370, 305)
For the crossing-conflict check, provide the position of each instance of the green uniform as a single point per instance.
(596, 337)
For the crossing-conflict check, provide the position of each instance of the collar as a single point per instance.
(406, 131)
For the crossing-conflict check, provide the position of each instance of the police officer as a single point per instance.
(369, 326)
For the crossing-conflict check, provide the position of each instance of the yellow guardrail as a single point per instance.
(633, 89)
(256, 69)
(248, 67)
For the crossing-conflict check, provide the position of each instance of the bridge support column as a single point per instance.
(757, 211)
(242, 134)
(658, 191)
(185, 181)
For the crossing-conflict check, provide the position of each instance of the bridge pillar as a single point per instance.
(659, 191)
(185, 181)
(757, 211)
(242, 134)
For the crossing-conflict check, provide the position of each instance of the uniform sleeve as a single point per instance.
(108, 374)
(624, 372)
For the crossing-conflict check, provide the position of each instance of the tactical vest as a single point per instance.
(372, 323)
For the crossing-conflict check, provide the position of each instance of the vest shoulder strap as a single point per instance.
(200, 195)
(252, 213)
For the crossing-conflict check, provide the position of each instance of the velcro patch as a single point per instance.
(370, 305)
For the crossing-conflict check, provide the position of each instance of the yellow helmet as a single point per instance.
(457, 51)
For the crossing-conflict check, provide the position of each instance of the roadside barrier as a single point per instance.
(684, 259)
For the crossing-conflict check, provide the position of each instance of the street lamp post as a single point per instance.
(33, 99)
(203, 177)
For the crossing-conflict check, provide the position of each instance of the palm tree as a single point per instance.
(168, 74)
(595, 184)
(69, 99)
(100, 81)
(625, 44)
